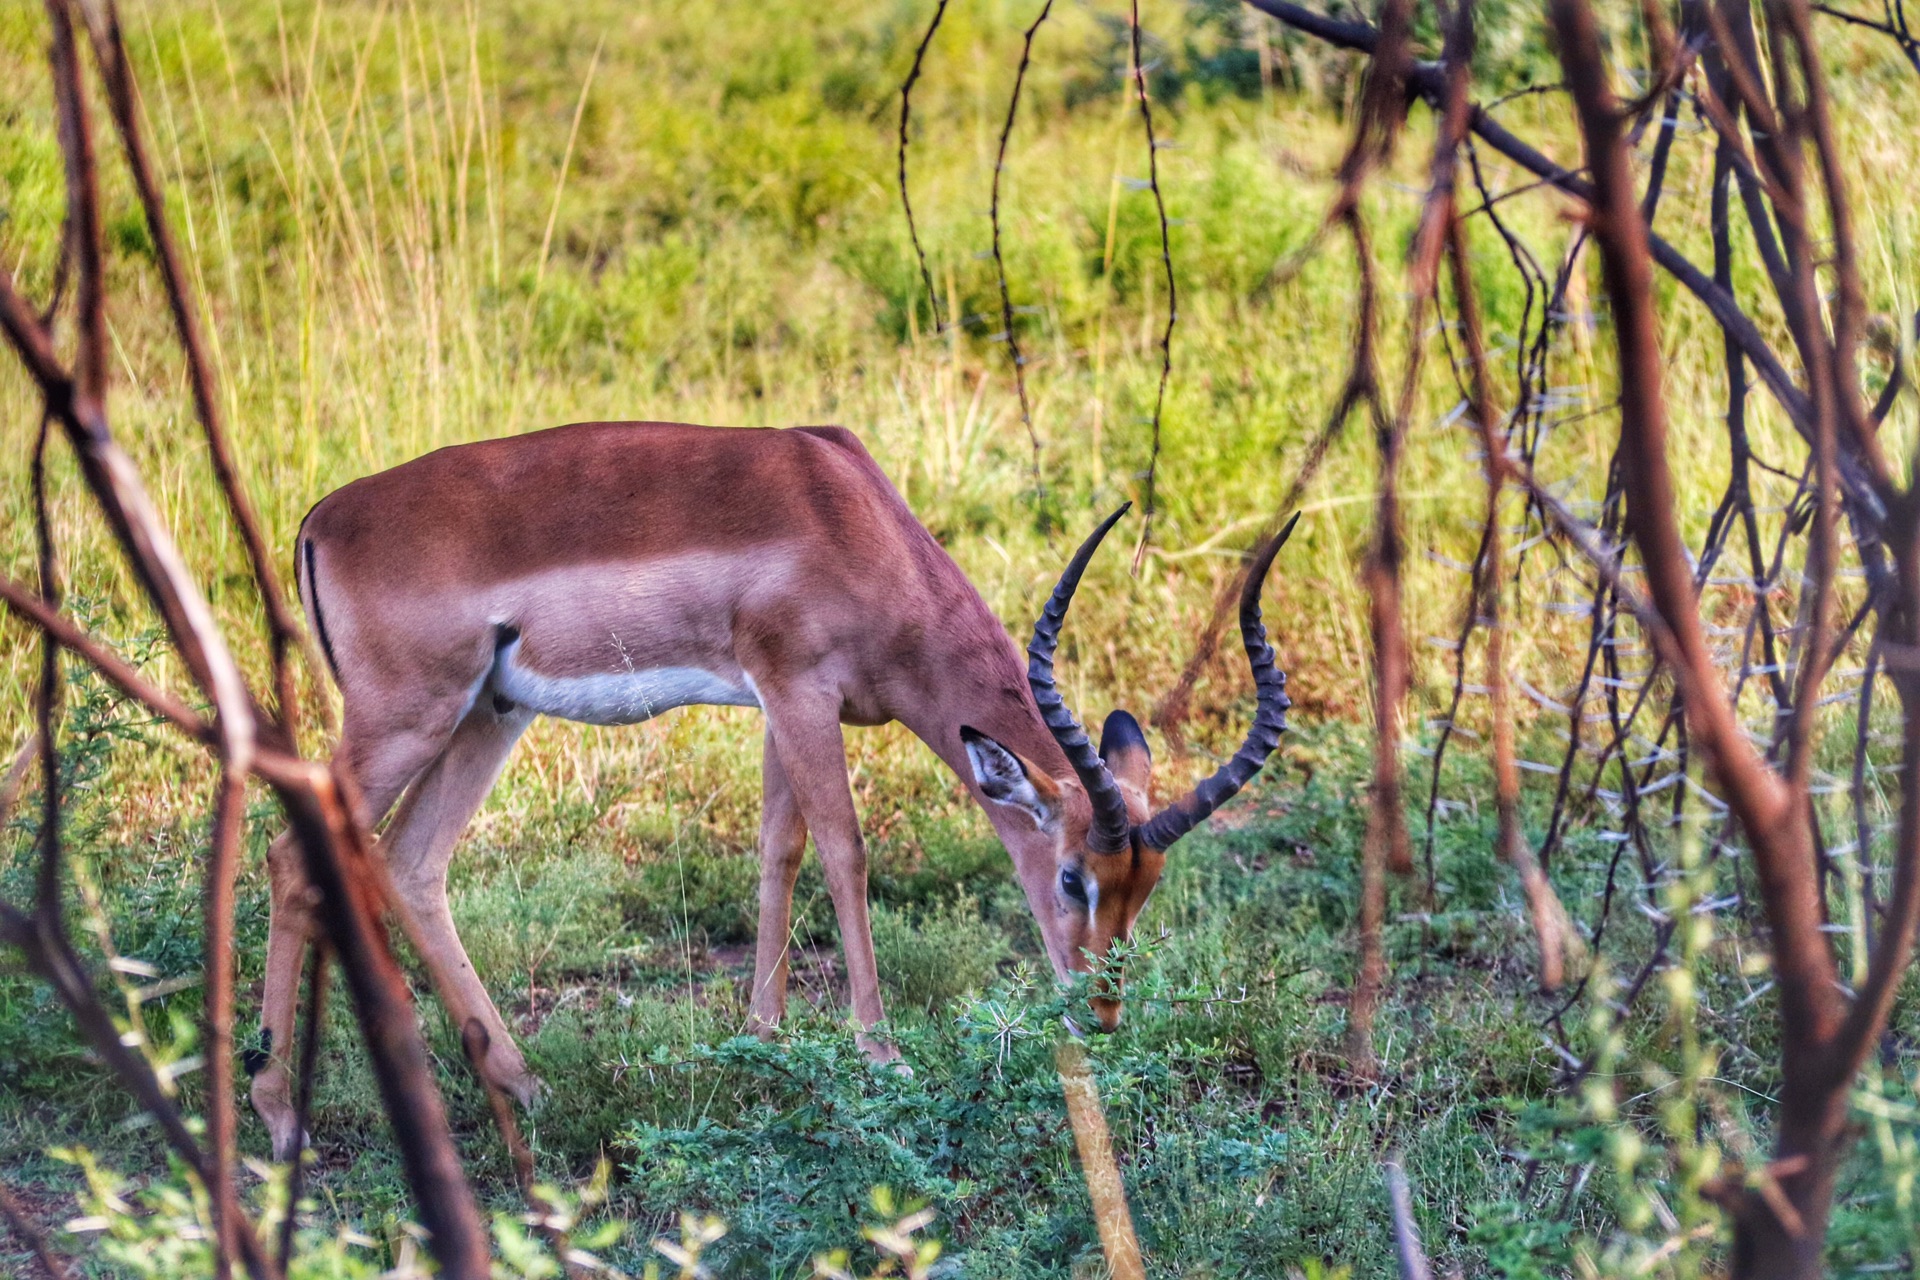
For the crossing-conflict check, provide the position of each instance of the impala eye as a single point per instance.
(1073, 884)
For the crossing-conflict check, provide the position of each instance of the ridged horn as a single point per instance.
(1269, 718)
(1110, 832)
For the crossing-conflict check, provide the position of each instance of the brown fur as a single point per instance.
(783, 561)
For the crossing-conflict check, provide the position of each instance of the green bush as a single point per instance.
(979, 1129)
(560, 917)
(933, 958)
(706, 894)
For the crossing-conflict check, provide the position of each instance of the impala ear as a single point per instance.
(1005, 778)
(1123, 746)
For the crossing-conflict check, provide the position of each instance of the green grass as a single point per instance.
(1244, 1142)
(404, 242)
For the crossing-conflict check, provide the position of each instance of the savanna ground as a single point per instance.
(416, 224)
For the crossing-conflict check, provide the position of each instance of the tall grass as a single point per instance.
(419, 224)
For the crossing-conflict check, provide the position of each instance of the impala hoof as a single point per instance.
(275, 1109)
(882, 1053)
(530, 1091)
(286, 1149)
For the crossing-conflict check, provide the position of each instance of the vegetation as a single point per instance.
(423, 224)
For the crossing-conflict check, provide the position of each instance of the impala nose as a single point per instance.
(1108, 1014)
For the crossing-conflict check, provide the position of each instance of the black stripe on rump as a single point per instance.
(319, 619)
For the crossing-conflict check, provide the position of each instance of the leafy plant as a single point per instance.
(932, 959)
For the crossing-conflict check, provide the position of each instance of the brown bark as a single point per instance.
(223, 868)
(1371, 975)
(1783, 1234)
(51, 1264)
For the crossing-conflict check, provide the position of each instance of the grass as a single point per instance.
(416, 224)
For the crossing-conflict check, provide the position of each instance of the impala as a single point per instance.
(607, 572)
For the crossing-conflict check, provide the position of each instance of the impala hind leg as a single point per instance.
(783, 842)
(418, 847)
(383, 769)
(289, 927)
(813, 755)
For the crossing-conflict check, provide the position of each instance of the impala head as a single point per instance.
(1107, 846)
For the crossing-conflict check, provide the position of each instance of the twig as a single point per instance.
(1552, 929)
(51, 1264)
(906, 204)
(1173, 307)
(1406, 1232)
(223, 868)
(474, 1040)
(999, 260)
(318, 983)
(1102, 1172)
(103, 29)
(338, 861)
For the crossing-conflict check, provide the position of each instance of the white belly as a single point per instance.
(613, 697)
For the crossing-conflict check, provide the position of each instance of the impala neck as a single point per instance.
(983, 684)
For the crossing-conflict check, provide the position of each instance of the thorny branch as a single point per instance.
(906, 204)
(285, 635)
(1384, 846)
(999, 259)
(1427, 81)
(1823, 1040)
(1772, 130)
(1173, 296)
(1552, 928)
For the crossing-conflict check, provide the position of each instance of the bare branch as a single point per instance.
(103, 29)
(1426, 80)
(119, 673)
(1552, 929)
(316, 1025)
(1406, 1232)
(223, 868)
(906, 204)
(338, 860)
(999, 260)
(1173, 295)
(22, 1224)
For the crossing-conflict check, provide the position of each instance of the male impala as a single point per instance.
(607, 572)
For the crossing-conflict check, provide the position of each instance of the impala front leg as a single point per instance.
(806, 733)
(783, 842)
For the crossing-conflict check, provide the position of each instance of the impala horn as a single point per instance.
(1269, 717)
(1111, 832)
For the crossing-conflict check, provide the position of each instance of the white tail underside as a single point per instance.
(612, 697)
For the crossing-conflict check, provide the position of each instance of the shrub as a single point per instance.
(553, 919)
(933, 958)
